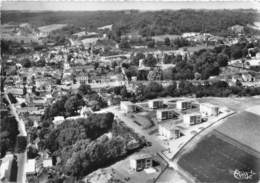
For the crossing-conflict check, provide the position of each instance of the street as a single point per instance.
(21, 157)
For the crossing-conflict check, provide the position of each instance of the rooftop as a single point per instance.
(141, 156)
(30, 166)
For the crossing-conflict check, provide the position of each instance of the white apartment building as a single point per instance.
(183, 104)
(192, 118)
(207, 109)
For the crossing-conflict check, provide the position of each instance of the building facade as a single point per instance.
(169, 132)
(141, 162)
(165, 114)
(183, 104)
(127, 106)
(192, 119)
(155, 104)
(207, 109)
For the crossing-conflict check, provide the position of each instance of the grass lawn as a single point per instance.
(214, 161)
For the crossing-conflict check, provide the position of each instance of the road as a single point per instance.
(21, 125)
(21, 157)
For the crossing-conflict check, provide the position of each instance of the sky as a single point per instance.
(76, 5)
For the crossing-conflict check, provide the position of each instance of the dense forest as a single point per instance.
(84, 144)
(8, 134)
(147, 23)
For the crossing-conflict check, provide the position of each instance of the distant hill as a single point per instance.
(145, 22)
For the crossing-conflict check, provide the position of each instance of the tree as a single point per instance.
(167, 41)
(153, 87)
(26, 63)
(150, 61)
(222, 60)
(167, 74)
(96, 65)
(124, 44)
(236, 51)
(84, 89)
(151, 44)
(135, 59)
(21, 143)
(73, 104)
(32, 152)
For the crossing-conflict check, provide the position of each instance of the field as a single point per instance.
(214, 161)
(244, 128)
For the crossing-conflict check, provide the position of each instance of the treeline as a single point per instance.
(8, 134)
(146, 23)
(187, 88)
(86, 144)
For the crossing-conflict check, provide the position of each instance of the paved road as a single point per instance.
(22, 157)
(21, 125)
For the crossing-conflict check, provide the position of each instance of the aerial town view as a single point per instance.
(130, 92)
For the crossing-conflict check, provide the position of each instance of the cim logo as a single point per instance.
(243, 175)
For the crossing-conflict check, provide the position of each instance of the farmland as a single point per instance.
(243, 127)
(215, 160)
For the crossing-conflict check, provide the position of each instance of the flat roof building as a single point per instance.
(155, 104)
(169, 131)
(140, 162)
(30, 167)
(127, 106)
(164, 114)
(183, 104)
(192, 118)
(207, 109)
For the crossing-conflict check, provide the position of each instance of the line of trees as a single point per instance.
(8, 134)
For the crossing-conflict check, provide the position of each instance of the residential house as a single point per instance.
(58, 120)
(30, 167)
(30, 110)
(164, 114)
(127, 106)
(207, 109)
(192, 118)
(155, 104)
(169, 131)
(140, 162)
(85, 111)
(6, 168)
(247, 77)
(106, 27)
(16, 91)
(183, 104)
